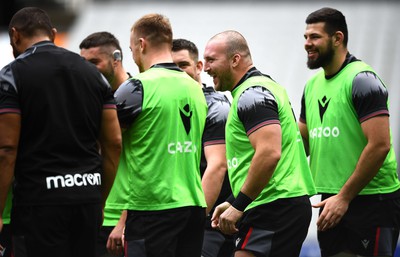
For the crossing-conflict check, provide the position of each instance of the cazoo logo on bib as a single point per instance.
(324, 132)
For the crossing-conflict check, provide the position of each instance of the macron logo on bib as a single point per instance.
(69, 180)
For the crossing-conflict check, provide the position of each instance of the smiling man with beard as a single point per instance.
(344, 123)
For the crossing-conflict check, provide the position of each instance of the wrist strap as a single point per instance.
(241, 202)
(230, 199)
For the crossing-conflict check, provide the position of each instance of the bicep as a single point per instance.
(304, 135)
(303, 130)
(215, 154)
(267, 140)
(10, 127)
(376, 130)
(110, 130)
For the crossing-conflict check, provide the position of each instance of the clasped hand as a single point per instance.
(225, 218)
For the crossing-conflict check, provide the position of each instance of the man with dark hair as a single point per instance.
(163, 111)
(54, 110)
(213, 167)
(270, 210)
(103, 50)
(344, 123)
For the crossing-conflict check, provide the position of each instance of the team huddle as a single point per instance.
(97, 162)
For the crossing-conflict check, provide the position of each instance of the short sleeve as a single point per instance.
(256, 108)
(129, 99)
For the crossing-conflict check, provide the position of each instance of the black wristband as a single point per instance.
(241, 202)
(230, 199)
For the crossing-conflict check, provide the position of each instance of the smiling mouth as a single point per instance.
(312, 54)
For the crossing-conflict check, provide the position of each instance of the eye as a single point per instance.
(94, 61)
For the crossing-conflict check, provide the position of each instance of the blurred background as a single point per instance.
(274, 30)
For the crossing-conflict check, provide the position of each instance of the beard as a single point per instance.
(323, 59)
(109, 76)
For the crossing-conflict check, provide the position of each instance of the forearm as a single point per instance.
(266, 142)
(110, 166)
(260, 173)
(122, 218)
(304, 135)
(10, 126)
(212, 182)
(7, 164)
(368, 165)
(111, 147)
(377, 133)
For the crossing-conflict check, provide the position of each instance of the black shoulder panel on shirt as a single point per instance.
(7, 81)
(256, 105)
(369, 96)
(129, 98)
(218, 110)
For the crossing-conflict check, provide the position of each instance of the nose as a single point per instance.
(307, 42)
(206, 67)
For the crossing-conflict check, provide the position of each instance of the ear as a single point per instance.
(338, 38)
(117, 55)
(142, 44)
(199, 66)
(235, 60)
(53, 34)
(15, 36)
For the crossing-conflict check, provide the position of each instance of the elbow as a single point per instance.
(275, 157)
(114, 145)
(118, 145)
(380, 149)
(384, 148)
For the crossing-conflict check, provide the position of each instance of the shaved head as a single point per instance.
(235, 43)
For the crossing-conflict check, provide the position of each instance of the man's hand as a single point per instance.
(115, 243)
(228, 220)
(225, 218)
(334, 209)
(217, 212)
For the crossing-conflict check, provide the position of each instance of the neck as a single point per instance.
(120, 77)
(28, 42)
(334, 66)
(155, 57)
(240, 72)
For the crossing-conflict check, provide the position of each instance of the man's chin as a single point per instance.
(313, 65)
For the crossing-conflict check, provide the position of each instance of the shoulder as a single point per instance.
(7, 81)
(129, 87)
(255, 95)
(367, 82)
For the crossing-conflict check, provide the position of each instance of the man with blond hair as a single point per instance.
(163, 112)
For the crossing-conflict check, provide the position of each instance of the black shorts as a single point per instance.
(370, 227)
(101, 246)
(216, 244)
(170, 233)
(62, 230)
(275, 229)
(5, 240)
